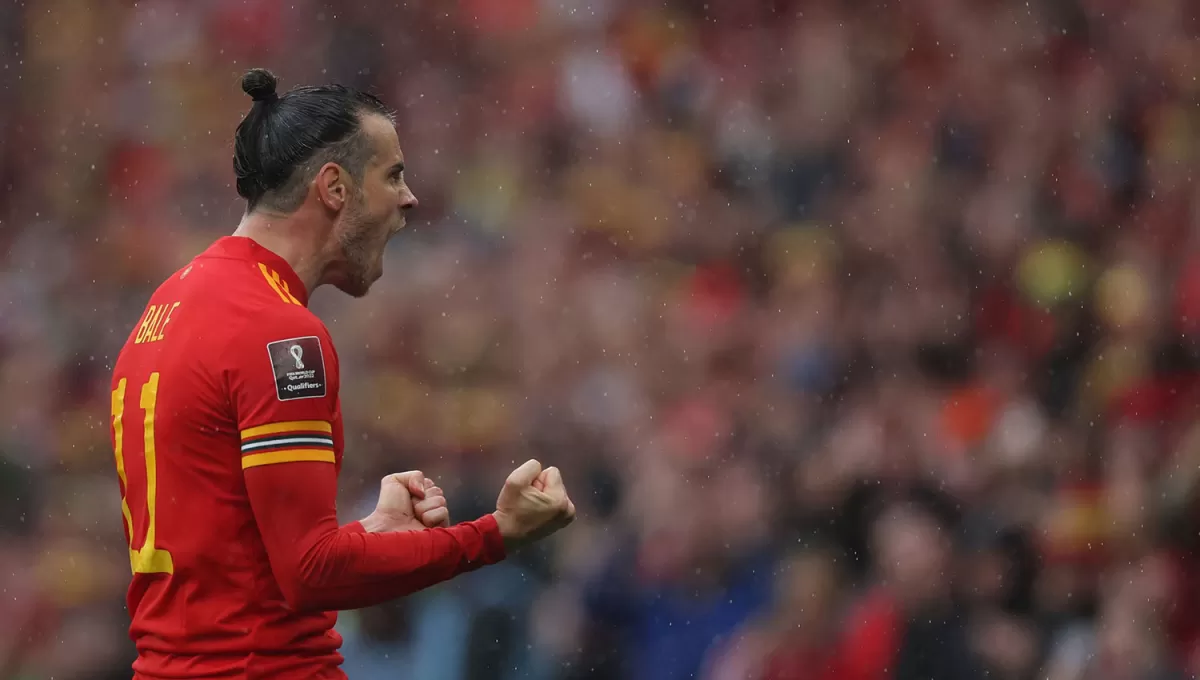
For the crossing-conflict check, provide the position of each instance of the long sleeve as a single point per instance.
(321, 566)
(283, 381)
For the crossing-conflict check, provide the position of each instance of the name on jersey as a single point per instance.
(299, 368)
(154, 323)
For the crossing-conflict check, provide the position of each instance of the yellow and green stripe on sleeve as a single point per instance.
(288, 442)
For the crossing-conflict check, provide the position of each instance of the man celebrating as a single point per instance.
(226, 420)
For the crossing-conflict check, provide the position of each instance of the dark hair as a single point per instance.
(284, 140)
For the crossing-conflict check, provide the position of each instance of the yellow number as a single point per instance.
(147, 559)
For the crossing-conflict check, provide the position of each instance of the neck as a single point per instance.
(286, 236)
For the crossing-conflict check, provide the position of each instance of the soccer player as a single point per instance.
(227, 428)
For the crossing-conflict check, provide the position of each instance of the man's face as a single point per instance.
(375, 212)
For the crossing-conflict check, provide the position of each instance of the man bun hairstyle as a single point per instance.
(284, 140)
(260, 84)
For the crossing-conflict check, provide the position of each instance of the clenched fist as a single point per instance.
(408, 501)
(532, 505)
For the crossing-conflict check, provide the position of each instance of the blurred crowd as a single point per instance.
(866, 332)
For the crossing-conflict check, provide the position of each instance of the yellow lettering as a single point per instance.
(146, 559)
(167, 318)
(272, 278)
(283, 285)
(154, 323)
(147, 324)
(158, 315)
(118, 417)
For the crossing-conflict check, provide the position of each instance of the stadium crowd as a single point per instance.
(866, 332)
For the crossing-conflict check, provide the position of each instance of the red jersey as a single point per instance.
(227, 434)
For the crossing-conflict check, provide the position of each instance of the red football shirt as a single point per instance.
(227, 434)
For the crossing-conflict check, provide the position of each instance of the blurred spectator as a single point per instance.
(797, 637)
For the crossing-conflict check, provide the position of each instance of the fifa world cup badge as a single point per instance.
(299, 368)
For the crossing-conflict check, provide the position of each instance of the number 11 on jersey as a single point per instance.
(146, 559)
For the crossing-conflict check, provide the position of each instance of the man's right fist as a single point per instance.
(532, 505)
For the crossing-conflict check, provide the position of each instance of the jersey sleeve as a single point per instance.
(284, 389)
(283, 385)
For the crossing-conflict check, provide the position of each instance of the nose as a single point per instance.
(408, 201)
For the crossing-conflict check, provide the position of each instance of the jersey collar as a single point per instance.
(243, 248)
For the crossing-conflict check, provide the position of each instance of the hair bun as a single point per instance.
(260, 84)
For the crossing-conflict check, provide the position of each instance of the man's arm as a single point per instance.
(321, 566)
(283, 383)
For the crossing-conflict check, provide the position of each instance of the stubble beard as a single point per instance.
(356, 248)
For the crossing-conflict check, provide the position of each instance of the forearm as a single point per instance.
(350, 568)
(321, 566)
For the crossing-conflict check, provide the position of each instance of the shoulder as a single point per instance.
(237, 284)
(284, 349)
(273, 326)
(277, 318)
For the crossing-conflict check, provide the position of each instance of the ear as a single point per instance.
(331, 183)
